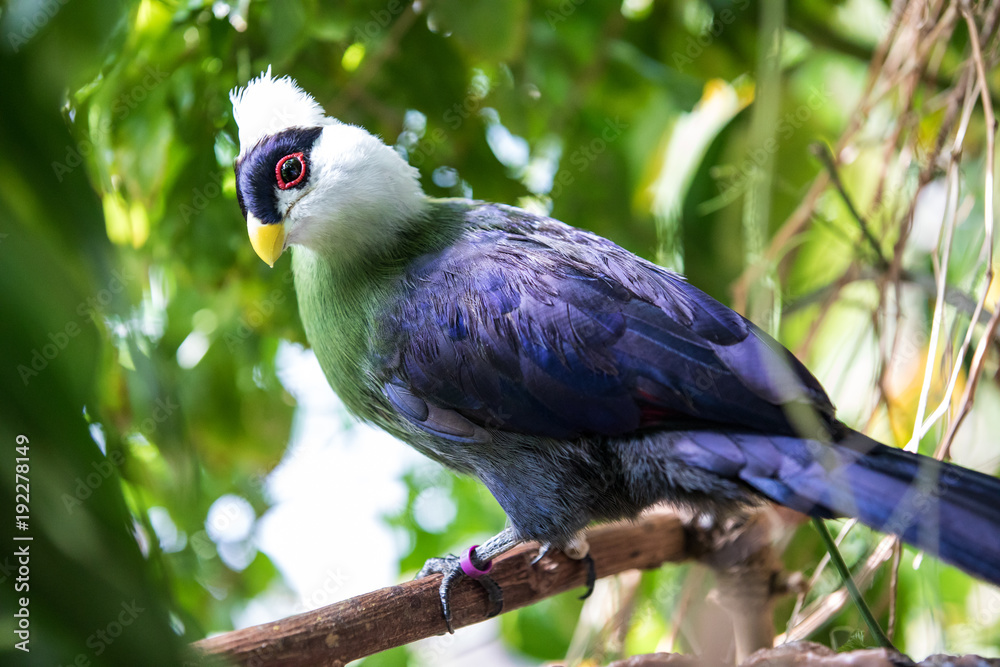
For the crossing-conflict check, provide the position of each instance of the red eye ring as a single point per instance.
(278, 168)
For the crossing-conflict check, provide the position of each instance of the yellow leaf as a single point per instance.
(904, 381)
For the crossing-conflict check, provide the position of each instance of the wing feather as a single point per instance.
(527, 325)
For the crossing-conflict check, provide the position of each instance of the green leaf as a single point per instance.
(487, 31)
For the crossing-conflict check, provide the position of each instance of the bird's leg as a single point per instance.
(475, 563)
(577, 549)
(497, 545)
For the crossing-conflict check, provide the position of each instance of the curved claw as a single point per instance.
(542, 550)
(444, 594)
(451, 569)
(494, 593)
(578, 550)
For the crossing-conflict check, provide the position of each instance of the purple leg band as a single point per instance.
(470, 569)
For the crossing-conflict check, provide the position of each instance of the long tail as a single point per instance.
(948, 510)
(942, 508)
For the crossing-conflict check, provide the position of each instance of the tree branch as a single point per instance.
(398, 615)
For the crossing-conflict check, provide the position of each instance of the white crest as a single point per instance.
(268, 105)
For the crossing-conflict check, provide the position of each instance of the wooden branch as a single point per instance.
(398, 615)
(749, 574)
(808, 654)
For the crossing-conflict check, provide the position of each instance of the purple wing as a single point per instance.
(527, 325)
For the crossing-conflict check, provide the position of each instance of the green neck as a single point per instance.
(332, 310)
(341, 297)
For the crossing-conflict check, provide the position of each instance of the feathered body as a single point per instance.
(580, 382)
(577, 381)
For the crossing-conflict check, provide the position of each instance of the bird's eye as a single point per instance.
(290, 170)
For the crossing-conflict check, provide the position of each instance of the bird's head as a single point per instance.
(304, 178)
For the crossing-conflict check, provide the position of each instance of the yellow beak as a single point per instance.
(268, 240)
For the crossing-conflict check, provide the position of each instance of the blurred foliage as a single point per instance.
(140, 331)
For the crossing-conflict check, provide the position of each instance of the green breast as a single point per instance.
(341, 300)
(338, 311)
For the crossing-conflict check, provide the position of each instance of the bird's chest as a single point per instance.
(339, 314)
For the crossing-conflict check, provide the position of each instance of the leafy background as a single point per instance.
(155, 363)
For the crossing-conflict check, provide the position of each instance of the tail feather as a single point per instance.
(943, 508)
(948, 510)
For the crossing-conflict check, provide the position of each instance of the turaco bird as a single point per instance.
(577, 381)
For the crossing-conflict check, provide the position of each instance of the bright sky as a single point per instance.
(325, 531)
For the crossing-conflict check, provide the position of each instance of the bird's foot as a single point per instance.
(577, 549)
(453, 568)
(542, 551)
